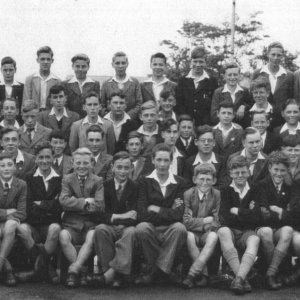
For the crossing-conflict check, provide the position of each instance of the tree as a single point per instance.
(216, 40)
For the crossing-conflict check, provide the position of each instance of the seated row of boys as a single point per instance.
(158, 213)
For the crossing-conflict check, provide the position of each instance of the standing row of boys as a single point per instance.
(122, 192)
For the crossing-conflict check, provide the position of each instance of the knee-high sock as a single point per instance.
(247, 262)
(232, 259)
(277, 258)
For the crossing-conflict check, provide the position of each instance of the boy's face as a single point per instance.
(9, 110)
(275, 56)
(30, 118)
(82, 164)
(58, 100)
(167, 104)
(252, 143)
(117, 105)
(8, 71)
(92, 106)
(162, 162)
(10, 142)
(204, 182)
(232, 76)
(186, 129)
(7, 168)
(58, 146)
(95, 142)
(134, 147)
(44, 160)
(225, 115)
(45, 61)
(240, 175)
(205, 143)
(170, 136)
(120, 65)
(260, 122)
(80, 68)
(198, 65)
(149, 117)
(121, 169)
(291, 114)
(292, 152)
(260, 95)
(158, 66)
(278, 172)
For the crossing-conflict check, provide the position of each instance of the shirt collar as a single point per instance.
(35, 127)
(114, 78)
(14, 83)
(50, 176)
(171, 179)
(259, 156)
(269, 108)
(198, 159)
(52, 112)
(74, 79)
(51, 76)
(280, 72)
(16, 124)
(86, 121)
(197, 79)
(233, 126)
(8, 182)
(226, 89)
(126, 117)
(176, 153)
(285, 128)
(158, 83)
(117, 183)
(143, 132)
(242, 193)
(20, 157)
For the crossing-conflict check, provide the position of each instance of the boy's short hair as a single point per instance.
(121, 155)
(200, 130)
(261, 112)
(206, 169)
(83, 151)
(7, 130)
(288, 102)
(165, 94)
(158, 55)
(198, 52)
(162, 147)
(4, 155)
(29, 105)
(10, 99)
(290, 141)
(95, 128)
(119, 53)
(91, 94)
(80, 56)
(58, 134)
(248, 131)
(260, 82)
(185, 117)
(56, 89)
(149, 105)
(117, 94)
(8, 60)
(275, 45)
(45, 49)
(41, 146)
(135, 134)
(166, 125)
(232, 65)
(238, 161)
(226, 104)
(278, 157)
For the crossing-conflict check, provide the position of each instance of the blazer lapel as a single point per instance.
(148, 88)
(36, 85)
(38, 134)
(195, 202)
(156, 186)
(127, 85)
(24, 136)
(170, 189)
(53, 122)
(138, 168)
(75, 88)
(230, 138)
(279, 82)
(12, 191)
(219, 138)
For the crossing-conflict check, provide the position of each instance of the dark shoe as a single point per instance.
(25, 276)
(221, 281)
(237, 285)
(174, 278)
(271, 283)
(290, 280)
(117, 284)
(144, 279)
(83, 279)
(9, 279)
(188, 282)
(247, 287)
(202, 281)
(54, 279)
(72, 280)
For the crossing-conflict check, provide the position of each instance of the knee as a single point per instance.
(212, 238)
(54, 230)
(64, 237)
(296, 240)
(190, 239)
(90, 237)
(101, 229)
(224, 233)
(265, 233)
(142, 229)
(253, 240)
(130, 231)
(179, 230)
(10, 227)
(286, 234)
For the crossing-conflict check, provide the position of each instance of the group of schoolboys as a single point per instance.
(145, 171)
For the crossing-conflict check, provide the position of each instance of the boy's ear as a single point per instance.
(214, 180)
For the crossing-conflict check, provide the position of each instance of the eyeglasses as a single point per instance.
(204, 141)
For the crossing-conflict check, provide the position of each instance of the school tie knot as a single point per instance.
(203, 199)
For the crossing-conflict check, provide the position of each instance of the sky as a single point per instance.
(100, 28)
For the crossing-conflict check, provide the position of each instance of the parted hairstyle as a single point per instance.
(289, 101)
(162, 147)
(225, 104)
(91, 94)
(45, 49)
(275, 45)
(290, 141)
(95, 128)
(29, 105)
(121, 155)
(278, 157)
(56, 89)
(206, 168)
(58, 134)
(8, 60)
(135, 134)
(200, 130)
(248, 131)
(166, 125)
(238, 161)
(260, 82)
(80, 56)
(83, 151)
(158, 55)
(41, 146)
